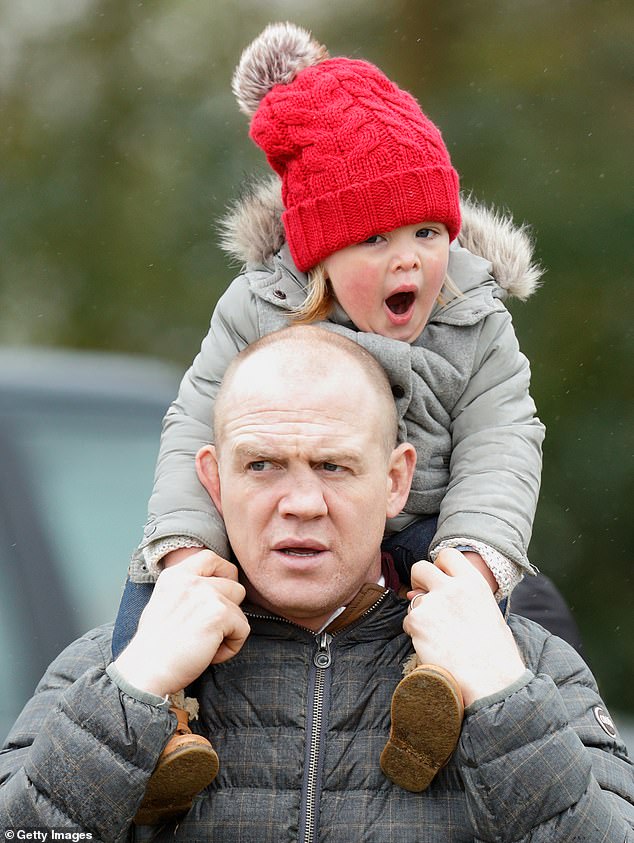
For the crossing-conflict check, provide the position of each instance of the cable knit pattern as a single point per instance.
(506, 572)
(155, 551)
(355, 153)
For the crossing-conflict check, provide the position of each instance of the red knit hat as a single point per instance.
(355, 153)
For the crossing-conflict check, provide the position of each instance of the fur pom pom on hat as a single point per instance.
(355, 153)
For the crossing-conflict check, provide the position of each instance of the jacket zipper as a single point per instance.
(319, 690)
(311, 787)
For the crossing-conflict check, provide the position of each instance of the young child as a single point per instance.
(364, 241)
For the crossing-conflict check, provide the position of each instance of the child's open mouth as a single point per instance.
(400, 303)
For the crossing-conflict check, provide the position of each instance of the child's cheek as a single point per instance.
(358, 295)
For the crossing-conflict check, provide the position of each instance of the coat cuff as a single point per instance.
(95, 752)
(499, 696)
(154, 552)
(507, 573)
(132, 691)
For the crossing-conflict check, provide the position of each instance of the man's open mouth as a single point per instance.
(400, 303)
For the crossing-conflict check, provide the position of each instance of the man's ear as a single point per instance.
(399, 478)
(208, 474)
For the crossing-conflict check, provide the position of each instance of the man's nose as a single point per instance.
(303, 497)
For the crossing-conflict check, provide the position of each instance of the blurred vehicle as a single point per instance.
(79, 435)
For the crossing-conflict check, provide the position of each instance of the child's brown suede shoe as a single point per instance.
(427, 713)
(186, 766)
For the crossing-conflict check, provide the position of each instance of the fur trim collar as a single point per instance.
(252, 231)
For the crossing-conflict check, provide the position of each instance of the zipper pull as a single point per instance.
(323, 657)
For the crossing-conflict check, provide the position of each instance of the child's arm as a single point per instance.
(180, 555)
(180, 510)
(495, 465)
(481, 566)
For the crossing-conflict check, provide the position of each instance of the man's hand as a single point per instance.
(193, 619)
(457, 624)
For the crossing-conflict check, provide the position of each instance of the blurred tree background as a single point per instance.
(122, 145)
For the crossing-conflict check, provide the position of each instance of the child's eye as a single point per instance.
(425, 233)
(374, 238)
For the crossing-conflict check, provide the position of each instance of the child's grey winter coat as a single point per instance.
(461, 388)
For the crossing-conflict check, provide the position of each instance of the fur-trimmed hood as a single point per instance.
(252, 231)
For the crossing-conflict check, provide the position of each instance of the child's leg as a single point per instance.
(426, 714)
(427, 708)
(134, 600)
(410, 545)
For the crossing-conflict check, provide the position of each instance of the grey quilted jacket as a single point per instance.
(462, 389)
(299, 746)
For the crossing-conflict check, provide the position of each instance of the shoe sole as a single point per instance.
(183, 774)
(427, 713)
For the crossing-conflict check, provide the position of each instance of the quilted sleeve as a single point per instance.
(544, 763)
(495, 468)
(80, 754)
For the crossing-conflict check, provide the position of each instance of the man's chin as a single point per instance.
(308, 611)
(308, 619)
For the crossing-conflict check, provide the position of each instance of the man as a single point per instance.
(294, 665)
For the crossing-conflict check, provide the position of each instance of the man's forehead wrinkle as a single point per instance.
(308, 422)
(300, 396)
(284, 434)
(288, 439)
(316, 435)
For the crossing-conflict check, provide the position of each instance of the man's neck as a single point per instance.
(365, 597)
(342, 609)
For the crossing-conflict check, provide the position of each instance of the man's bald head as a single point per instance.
(311, 354)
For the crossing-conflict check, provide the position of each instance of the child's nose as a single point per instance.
(405, 259)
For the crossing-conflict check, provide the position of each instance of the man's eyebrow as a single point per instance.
(254, 451)
(259, 451)
(269, 451)
(346, 457)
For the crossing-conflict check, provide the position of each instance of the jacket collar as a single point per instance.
(252, 233)
(284, 286)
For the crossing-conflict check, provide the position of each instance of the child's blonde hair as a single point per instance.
(321, 297)
(319, 302)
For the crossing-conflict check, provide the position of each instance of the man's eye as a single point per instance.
(331, 466)
(259, 465)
